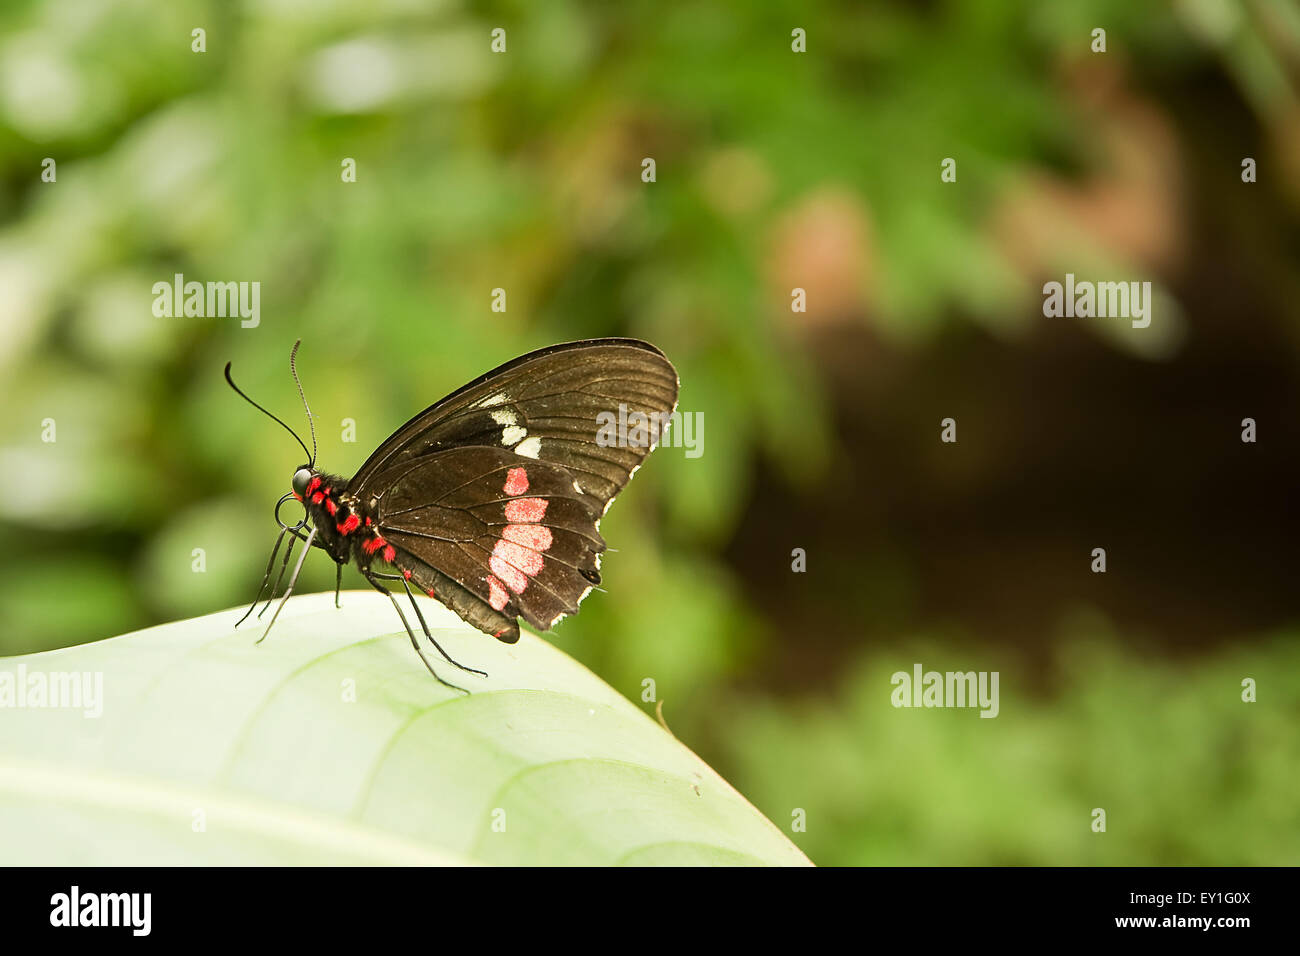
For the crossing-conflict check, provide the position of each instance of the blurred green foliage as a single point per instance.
(521, 171)
(1186, 773)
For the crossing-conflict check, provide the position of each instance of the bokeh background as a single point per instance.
(775, 170)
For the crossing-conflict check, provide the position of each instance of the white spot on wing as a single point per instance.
(529, 447)
(498, 399)
(513, 433)
(504, 416)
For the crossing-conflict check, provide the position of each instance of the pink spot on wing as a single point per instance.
(525, 559)
(516, 481)
(389, 553)
(497, 596)
(523, 510)
(535, 536)
(407, 574)
(514, 579)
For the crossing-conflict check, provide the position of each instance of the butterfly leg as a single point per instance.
(338, 583)
(280, 577)
(415, 642)
(297, 568)
(424, 624)
(296, 532)
(270, 563)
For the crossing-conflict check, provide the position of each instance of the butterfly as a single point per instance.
(489, 500)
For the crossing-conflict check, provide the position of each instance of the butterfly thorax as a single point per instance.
(344, 527)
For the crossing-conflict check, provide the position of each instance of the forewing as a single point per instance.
(563, 405)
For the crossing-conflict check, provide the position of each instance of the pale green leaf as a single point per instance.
(329, 743)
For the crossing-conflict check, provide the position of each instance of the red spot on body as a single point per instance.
(349, 525)
(523, 510)
(317, 498)
(516, 481)
(497, 596)
(298, 496)
(535, 536)
(431, 594)
(407, 574)
(331, 507)
(315, 483)
(389, 553)
(367, 522)
(373, 545)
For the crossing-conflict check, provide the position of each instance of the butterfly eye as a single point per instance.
(301, 479)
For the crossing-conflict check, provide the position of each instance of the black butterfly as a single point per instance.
(489, 500)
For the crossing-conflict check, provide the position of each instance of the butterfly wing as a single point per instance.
(492, 497)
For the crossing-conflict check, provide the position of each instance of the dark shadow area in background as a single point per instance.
(1064, 444)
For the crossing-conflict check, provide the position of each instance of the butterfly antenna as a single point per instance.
(293, 370)
(231, 382)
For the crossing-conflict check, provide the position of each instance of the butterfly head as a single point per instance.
(302, 480)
